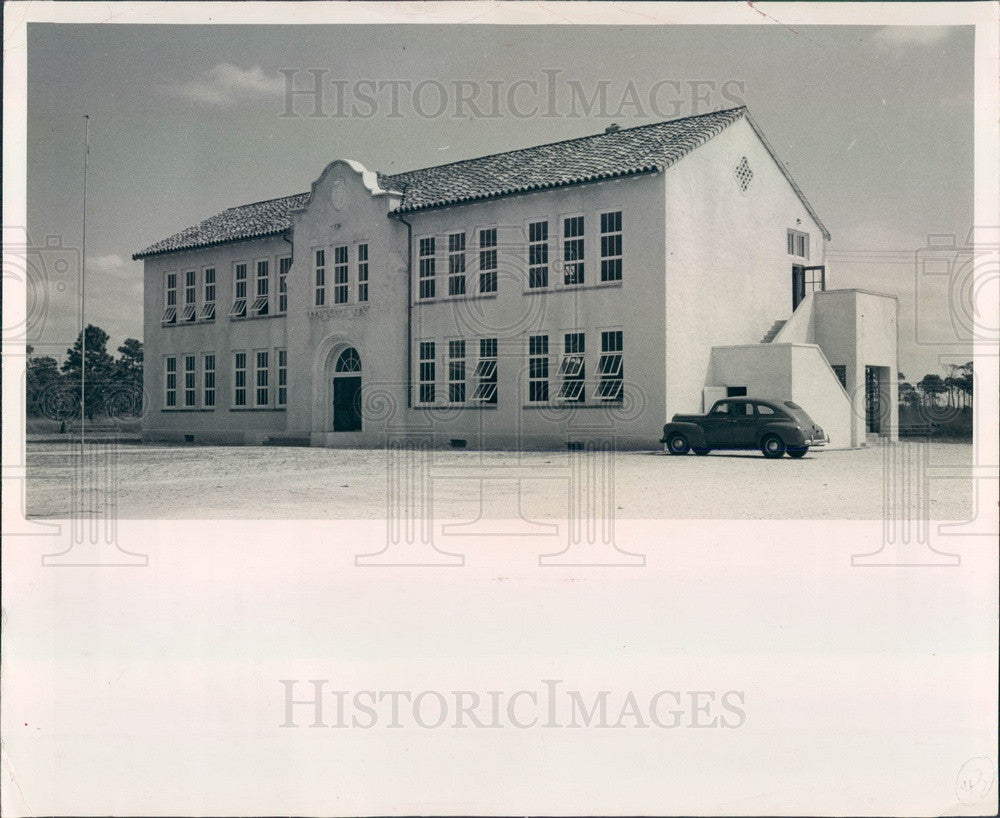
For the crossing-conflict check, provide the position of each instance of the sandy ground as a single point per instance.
(183, 482)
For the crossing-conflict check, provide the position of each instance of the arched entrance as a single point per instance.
(347, 392)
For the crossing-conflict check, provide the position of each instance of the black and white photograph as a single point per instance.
(484, 408)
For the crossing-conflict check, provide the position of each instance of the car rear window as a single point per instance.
(794, 406)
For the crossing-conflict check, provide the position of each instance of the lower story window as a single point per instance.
(572, 369)
(427, 372)
(486, 372)
(170, 396)
(208, 381)
(609, 368)
(190, 390)
(282, 356)
(538, 368)
(261, 391)
(239, 379)
(456, 371)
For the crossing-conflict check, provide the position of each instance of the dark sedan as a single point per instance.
(773, 426)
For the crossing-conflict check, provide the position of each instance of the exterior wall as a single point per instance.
(796, 372)
(224, 423)
(728, 273)
(634, 305)
(855, 329)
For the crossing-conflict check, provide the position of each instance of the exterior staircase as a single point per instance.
(771, 333)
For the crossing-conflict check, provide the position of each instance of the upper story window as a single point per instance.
(284, 265)
(239, 309)
(456, 264)
(538, 255)
(611, 246)
(573, 250)
(340, 275)
(262, 300)
(320, 267)
(169, 298)
(488, 260)
(362, 273)
(208, 308)
(798, 244)
(426, 268)
(190, 294)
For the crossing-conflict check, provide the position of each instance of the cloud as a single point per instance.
(226, 85)
(109, 264)
(900, 37)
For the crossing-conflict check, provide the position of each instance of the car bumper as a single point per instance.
(816, 441)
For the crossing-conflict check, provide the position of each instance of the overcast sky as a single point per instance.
(875, 124)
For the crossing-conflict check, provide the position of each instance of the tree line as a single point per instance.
(953, 391)
(112, 386)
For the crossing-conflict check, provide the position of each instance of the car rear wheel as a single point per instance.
(678, 444)
(797, 453)
(772, 446)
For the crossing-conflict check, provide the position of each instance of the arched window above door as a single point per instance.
(349, 361)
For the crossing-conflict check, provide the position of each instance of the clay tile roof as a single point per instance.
(608, 155)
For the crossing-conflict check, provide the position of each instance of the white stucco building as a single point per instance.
(527, 299)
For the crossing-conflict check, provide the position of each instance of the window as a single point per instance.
(456, 264)
(573, 250)
(170, 397)
(427, 373)
(572, 368)
(743, 174)
(362, 273)
(208, 309)
(260, 373)
(261, 303)
(170, 299)
(190, 294)
(282, 358)
(764, 410)
(538, 368)
(609, 368)
(340, 275)
(427, 268)
(239, 309)
(284, 265)
(721, 409)
(486, 372)
(239, 379)
(456, 371)
(538, 255)
(611, 246)
(208, 381)
(488, 260)
(190, 393)
(320, 278)
(798, 244)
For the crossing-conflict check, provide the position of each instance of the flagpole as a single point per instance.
(83, 284)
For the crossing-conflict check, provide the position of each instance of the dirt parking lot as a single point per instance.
(184, 482)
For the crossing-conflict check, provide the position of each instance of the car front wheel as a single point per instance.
(677, 444)
(772, 446)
